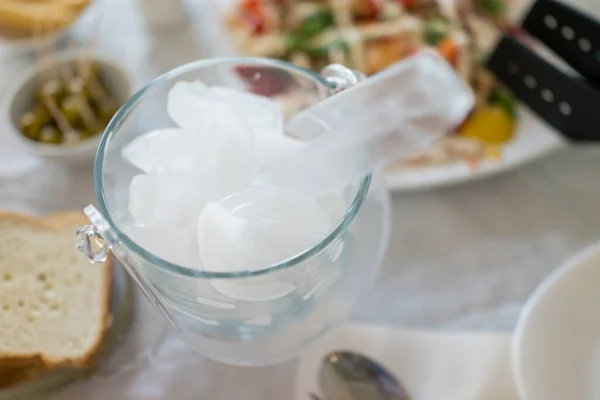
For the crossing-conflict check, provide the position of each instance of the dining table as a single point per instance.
(461, 258)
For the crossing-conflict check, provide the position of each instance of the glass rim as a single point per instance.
(128, 106)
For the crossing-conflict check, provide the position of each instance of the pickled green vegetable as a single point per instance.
(70, 109)
(42, 115)
(106, 113)
(29, 125)
(70, 100)
(86, 133)
(78, 86)
(90, 71)
(54, 89)
(50, 135)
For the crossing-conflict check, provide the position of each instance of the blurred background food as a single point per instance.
(24, 19)
(69, 106)
(370, 35)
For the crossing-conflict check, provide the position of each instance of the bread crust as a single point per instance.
(24, 366)
(73, 220)
(12, 376)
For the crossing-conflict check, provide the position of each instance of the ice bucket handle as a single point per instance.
(96, 240)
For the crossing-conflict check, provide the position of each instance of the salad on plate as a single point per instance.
(370, 35)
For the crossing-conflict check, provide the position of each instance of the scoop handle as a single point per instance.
(392, 115)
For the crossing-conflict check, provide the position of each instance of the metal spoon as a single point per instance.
(350, 376)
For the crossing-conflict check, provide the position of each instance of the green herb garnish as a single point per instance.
(295, 42)
(311, 26)
(492, 7)
(315, 23)
(436, 29)
(323, 51)
(505, 99)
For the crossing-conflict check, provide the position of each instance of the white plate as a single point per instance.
(556, 346)
(534, 139)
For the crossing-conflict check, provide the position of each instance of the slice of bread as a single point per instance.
(54, 304)
(13, 376)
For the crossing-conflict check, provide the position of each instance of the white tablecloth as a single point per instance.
(464, 257)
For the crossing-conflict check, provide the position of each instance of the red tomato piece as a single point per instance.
(254, 15)
(367, 9)
(409, 3)
(251, 5)
(264, 80)
(448, 50)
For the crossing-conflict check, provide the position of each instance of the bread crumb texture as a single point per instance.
(53, 302)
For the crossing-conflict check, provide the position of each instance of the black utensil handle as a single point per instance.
(569, 33)
(570, 105)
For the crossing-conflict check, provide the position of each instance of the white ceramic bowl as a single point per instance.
(556, 346)
(20, 98)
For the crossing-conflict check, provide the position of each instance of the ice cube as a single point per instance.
(172, 245)
(141, 189)
(182, 101)
(218, 149)
(172, 149)
(168, 200)
(190, 102)
(264, 115)
(233, 165)
(220, 234)
(218, 231)
(258, 227)
(196, 110)
(269, 148)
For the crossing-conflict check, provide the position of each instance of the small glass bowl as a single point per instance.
(136, 331)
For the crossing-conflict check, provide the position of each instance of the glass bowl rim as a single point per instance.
(123, 112)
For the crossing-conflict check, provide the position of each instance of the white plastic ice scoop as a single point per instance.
(394, 114)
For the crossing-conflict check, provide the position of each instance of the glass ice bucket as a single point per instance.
(324, 282)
